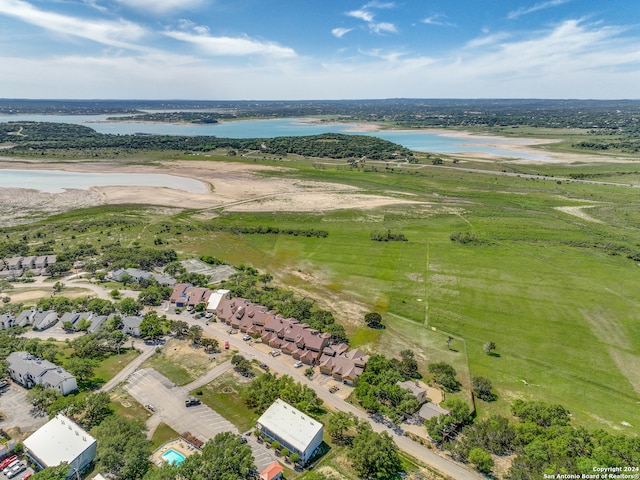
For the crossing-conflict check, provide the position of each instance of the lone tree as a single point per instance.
(373, 319)
(489, 347)
(482, 389)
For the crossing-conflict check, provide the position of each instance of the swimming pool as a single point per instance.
(173, 457)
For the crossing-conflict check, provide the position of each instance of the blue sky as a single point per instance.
(319, 49)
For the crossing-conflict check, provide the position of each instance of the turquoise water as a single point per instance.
(173, 457)
(55, 181)
(419, 140)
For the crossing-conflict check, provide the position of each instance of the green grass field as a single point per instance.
(555, 292)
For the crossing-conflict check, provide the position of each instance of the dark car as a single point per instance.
(191, 401)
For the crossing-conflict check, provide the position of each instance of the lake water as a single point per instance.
(419, 140)
(55, 181)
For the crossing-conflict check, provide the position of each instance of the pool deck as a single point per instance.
(179, 445)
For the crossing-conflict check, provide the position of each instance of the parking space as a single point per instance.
(20, 471)
(18, 412)
(168, 403)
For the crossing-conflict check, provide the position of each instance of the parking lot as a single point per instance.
(168, 402)
(18, 413)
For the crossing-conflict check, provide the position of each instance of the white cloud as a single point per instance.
(340, 32)
(120, 33)
(383, 27)
(368, 17)
(364, 15)
(380, 5)
(161, 6)
(487, 39)
(231, 46)
(439, 20)
(538, 6)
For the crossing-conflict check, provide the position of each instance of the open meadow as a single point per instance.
(547, 269)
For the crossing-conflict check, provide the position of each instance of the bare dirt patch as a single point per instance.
(629, 366)
(577, 211)
(235, 187)
(607, 329)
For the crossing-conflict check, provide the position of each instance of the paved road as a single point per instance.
(122, 375)
(149, 387)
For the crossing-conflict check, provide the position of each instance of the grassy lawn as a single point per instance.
(126, 406)
(180, 362)
(163, 434)
(109, 367)
(226, 396)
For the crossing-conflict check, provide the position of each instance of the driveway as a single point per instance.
(149, 387)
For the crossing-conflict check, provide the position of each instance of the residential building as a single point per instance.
(417, 390)
(61, 440)
(345, 366)
(430, 410)
(29, 371)
(294, 430)
(214, 300)
(140, 275)
(40, 319)
(131, 326)
(7, 321)
(273, 471)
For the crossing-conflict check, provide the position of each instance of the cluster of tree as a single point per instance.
(378, 391)
(331, 145)
(11, 132)
(123, 448)
(170, 117)
(296, 232)
(373, 455)
(224, 457)
(445, 376)
(444, 428)
(116, 256)
(622, 144)
(244, 284)
(241, 365)
(267, 388)
(388, 237)
(466, 238)
(543, 441)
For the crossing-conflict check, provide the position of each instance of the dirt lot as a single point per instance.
(234, 186)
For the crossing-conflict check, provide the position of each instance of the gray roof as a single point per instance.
(290, 424)
(25, 363)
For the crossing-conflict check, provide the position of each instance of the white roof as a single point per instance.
(290, 424)
(59, 440)
(215, 297)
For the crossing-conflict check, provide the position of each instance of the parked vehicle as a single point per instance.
(246, 338)
(21, 467)
(192, 401)
(10, 465)
(7, 461)
(28, 475)
(275, 352)
(150, 407)
(297, 364)
(226, 345)
(208, 315)
(4, 384)
(264, 366)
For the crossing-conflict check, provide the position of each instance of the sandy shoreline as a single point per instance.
(234, 187)
(240, 187)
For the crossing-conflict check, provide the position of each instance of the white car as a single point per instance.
(21, 467)
(297, 364)
(10, 466)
